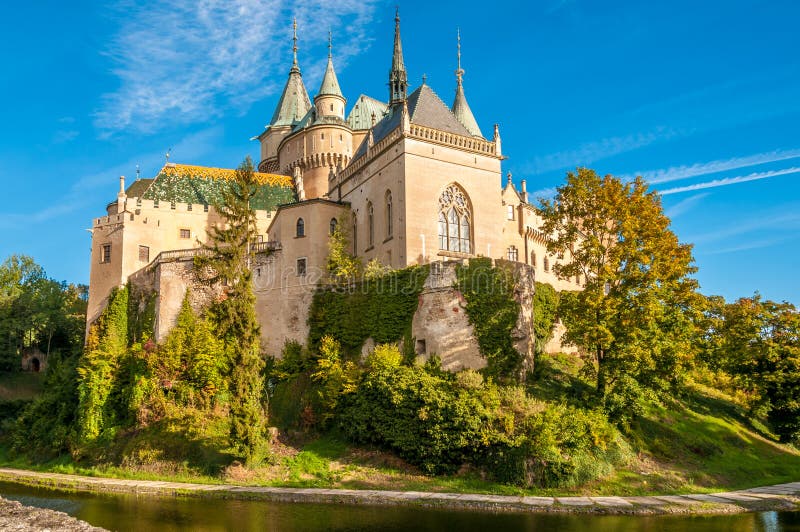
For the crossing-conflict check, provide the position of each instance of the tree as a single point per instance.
(758, 342)
(635, 316)
(226, 261)
(343, 266)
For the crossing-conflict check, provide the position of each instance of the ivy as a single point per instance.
(545, 311)
(493, 313)
(381, 308)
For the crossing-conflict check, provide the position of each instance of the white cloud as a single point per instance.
(590, 152)
(676, 173)
(685, 205)
(731, 181)
(187, 60)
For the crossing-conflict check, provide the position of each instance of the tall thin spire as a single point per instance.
(294, 102)
(330, 85)
(398, 79)
(294, 45)
(460, 107)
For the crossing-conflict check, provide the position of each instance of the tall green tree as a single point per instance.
(226, 261)
(635, 316)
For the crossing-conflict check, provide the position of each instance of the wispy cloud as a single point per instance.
(753, 244)
(65, 135)
(787, 221)
(676, 173)
(731, 181)
(596, 150)
(685, 205)
(87, 188)
(187, 60)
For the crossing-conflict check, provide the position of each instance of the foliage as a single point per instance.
(493, 313)
(342, 265)
(228, 262)
(758, 342)
(37, 312)
(374, 269)
(381, 309)
(383, 357)
(106, 346)
(545, 313)
(636, 315)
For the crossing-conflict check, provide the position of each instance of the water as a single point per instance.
(132, 512)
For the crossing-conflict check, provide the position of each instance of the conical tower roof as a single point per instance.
(330, 85)
(398, 79)
(294, 102)
(460, 106)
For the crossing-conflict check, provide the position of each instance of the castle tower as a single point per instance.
(460, 106)
(292, 107)
(398, 79)
(329, 100)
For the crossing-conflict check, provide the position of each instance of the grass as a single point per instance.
(700, 442)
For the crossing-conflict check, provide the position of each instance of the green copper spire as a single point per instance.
(460, 107)
(294, 102)
(330, 85)
(398, 79)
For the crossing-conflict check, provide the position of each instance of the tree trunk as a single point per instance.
(601, 374)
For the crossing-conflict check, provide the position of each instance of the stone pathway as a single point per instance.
(780, 496)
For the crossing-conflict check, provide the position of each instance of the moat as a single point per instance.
(132, 512)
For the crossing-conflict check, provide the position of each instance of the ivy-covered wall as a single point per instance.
(381, 309)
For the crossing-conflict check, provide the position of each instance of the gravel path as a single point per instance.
(777, 497)
(16, 516)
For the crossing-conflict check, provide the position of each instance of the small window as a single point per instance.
(533, 259)
(513, 253)
(185, 233)
(260, 238)
(322, 136)
(578, 279)
(144, 254)
(106, 253)
(301, 228)
(205, 207)
(510, 211)
(371, 223)
(546, 264)
(301, 267)
(389, 220)
(331, 107)
(421, 348)
(333, 225)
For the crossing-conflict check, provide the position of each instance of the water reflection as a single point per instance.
(132, 512)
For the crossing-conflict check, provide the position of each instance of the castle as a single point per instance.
(417, 181)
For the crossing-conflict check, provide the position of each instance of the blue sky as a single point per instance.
(702, 98)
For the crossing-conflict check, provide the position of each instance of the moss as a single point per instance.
(381, 309)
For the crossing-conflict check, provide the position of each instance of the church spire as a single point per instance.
(294, 102)
(398, 79)
(460, 107)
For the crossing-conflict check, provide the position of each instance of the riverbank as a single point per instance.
(777, 497)
(16, 516)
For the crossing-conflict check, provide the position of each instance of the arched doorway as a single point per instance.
(35, 365)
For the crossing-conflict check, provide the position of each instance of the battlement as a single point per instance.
(138, 209)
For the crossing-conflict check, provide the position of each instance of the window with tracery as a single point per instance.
(455, 221)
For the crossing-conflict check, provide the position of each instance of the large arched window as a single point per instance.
(455, 221)
(301, 227)
(371, 223)
(389, 222)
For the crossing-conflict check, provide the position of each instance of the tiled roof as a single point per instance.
(425, 108)
(180, 183)
(330, 85)
(463, 113)
(138, 188)
(360, 117)
(294, 102)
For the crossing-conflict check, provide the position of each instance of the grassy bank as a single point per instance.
(700, 442)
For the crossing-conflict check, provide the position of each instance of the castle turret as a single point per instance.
(398, 79)
(329, 100)
(292, 107)
(460, 106)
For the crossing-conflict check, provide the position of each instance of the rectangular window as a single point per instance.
(510, 212)
(144, 254)
(301, 267)
(260, 238)
(106, 253)
(185, 233)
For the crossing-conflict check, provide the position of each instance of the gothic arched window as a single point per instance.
(371, 223)
(301, 227)
(389, 222)
(355, 234)
(455, 221)
(333, 225)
